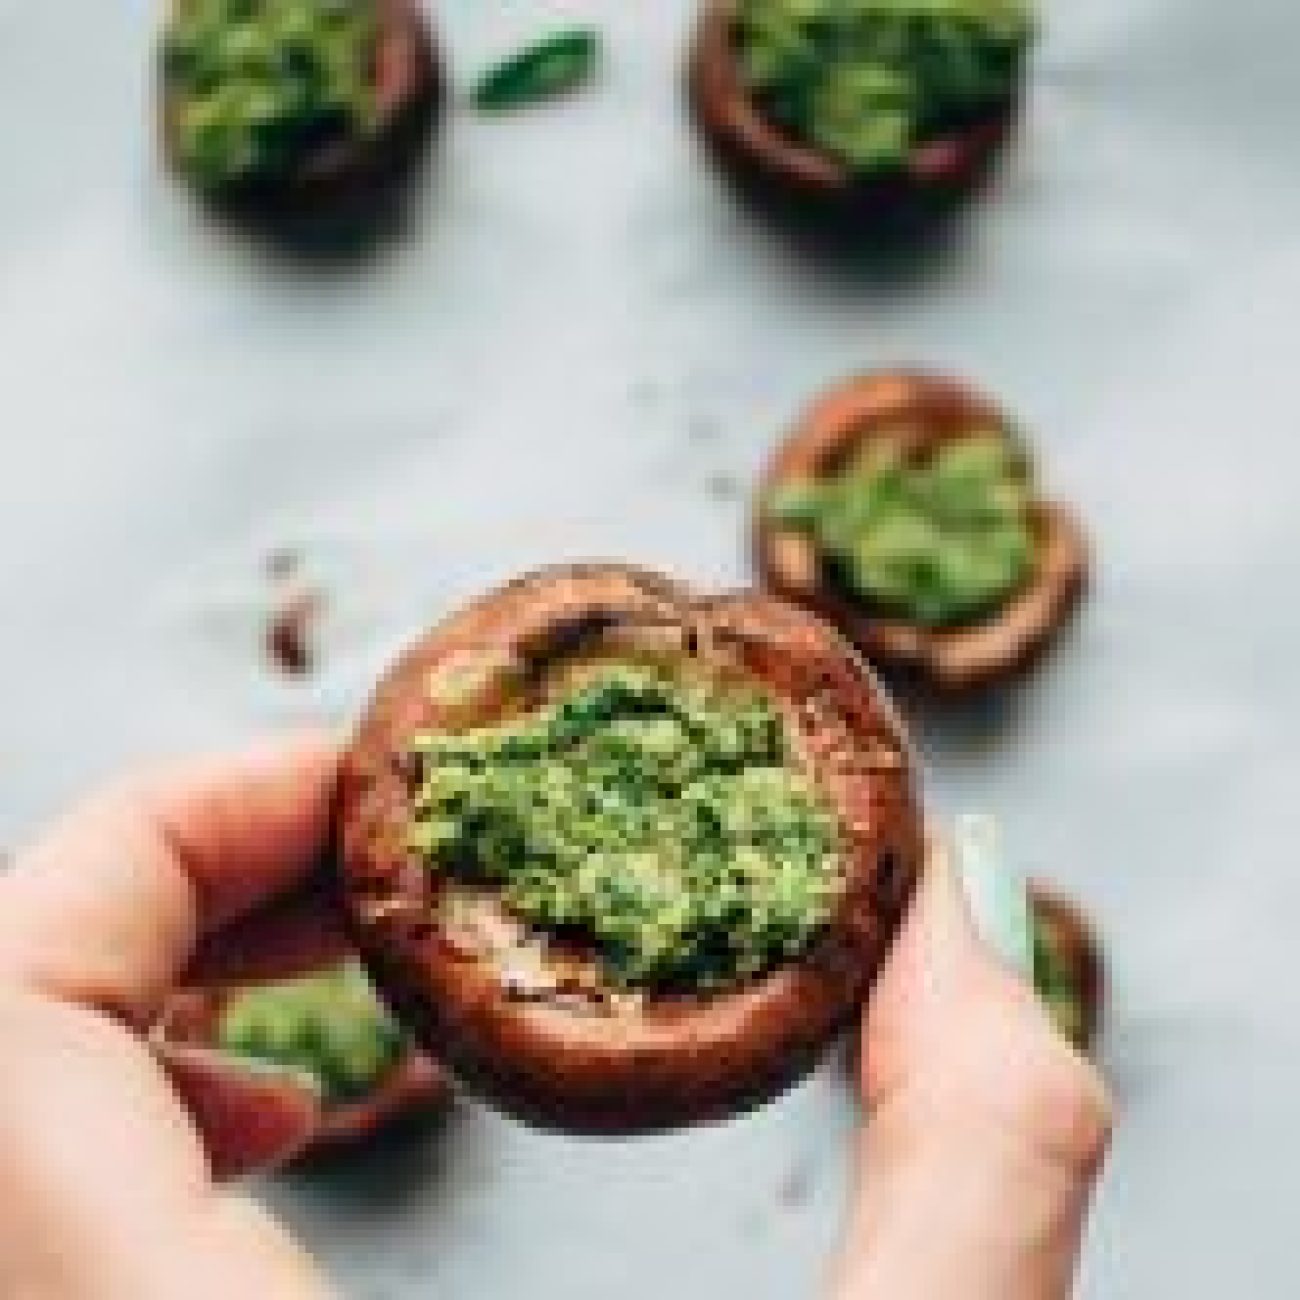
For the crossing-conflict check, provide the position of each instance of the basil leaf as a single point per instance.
(554, 66)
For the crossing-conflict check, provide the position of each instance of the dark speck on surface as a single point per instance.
(723, 487)
(796, 1187)
(645, 394)
(702, 428)
(283, 563)
(297, 604)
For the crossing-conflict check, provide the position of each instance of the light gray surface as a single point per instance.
(581, 345)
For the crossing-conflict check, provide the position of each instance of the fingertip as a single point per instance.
(941, 914)
(107, 906)
(251, 1120)
(248, 826)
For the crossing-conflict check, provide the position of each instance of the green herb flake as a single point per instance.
(663, 819)
(554, 66)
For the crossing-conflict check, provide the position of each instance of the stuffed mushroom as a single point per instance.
(330, 1028)
(904, 508)
(869, 116)
(306, 111)
(1067, 966)
(627, 858)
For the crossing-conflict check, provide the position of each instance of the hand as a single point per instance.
(986, 1129)
(108, 1178)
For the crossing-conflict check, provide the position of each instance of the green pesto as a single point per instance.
(1055, 981)
(868, 81)
(329, 1026)
(255, 85)
(661, 819)
(940, 542)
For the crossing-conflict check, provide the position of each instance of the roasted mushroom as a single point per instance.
(903, 508)
(306, 114)
(330, 1028)
(624, 857)
(861, 117)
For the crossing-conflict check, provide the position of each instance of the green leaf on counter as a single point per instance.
(552, 67)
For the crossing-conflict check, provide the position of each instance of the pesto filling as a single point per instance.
(868, 81)
(255, 85)
(939, 542)
(660, 821)
(329, 1026)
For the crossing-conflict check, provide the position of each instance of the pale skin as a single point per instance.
(986, 1133)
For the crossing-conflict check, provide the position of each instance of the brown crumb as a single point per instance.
(297, 606)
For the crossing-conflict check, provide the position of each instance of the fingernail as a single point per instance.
(998, 895)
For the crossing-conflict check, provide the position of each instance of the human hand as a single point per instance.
(986, 1130)
(111, 1147)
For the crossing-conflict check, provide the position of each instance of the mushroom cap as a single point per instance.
(614, 1065)
(934, 410)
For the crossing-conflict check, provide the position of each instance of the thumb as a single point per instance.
(939, 941)
(938, 977)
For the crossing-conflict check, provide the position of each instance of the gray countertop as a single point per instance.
(582, 347)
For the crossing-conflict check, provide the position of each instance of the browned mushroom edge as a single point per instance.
(1074, 940)
(414, 1086)
(946, 661)
(619, 1065)
(778, 171)
(345, 187)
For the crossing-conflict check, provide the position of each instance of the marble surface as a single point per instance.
(582, 347)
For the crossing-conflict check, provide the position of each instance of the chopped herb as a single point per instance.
(329, 1026)
(256, 84)
(868, 81)
(662, 819)
(941, 541)
(552, 67)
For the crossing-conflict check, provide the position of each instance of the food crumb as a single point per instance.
(702, 428)
(796, 1186)
(296, 608)
(723, 487)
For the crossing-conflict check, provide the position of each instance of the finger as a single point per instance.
(300, 933)
(107, 909)
(938, 970)
(105, 1185)
(938, 939)
(250, 1119)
